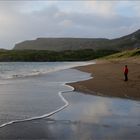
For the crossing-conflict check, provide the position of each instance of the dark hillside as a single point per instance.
(43, 55)
(130, 41)
(61, 44)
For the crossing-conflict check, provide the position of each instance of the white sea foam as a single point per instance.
(43, 116)
(66, 103)
(15, 70)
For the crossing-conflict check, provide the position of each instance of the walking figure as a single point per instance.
(125, 73)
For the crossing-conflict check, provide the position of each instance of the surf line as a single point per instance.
(45, 115)
(53, 112)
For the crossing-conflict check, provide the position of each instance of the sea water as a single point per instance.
(36, 90)
(11, 70)
(30, 90)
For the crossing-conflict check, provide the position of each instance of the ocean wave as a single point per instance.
(29, 71)
(66, 103)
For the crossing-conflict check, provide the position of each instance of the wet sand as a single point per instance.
(87, 117)
(108, 79)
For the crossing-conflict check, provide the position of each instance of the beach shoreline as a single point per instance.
(108, 79)
(106, 117)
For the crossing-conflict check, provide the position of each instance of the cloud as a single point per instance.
(136, 8)
(27, 20)
(104, 8)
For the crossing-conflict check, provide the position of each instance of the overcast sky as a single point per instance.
(26, 20)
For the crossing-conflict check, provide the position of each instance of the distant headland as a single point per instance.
(69, 49)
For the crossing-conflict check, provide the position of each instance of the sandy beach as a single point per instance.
(87, 117)
(108, 79)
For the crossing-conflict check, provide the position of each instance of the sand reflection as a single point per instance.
(100, 110)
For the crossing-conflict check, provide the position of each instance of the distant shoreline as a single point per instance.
(108, 79)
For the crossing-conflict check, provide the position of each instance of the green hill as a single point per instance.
(125, 54)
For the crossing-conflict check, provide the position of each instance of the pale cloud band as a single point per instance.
(25, 20)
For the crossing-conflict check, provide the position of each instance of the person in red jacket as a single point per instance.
(126, 73)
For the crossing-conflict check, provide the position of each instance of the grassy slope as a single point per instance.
(124, 54)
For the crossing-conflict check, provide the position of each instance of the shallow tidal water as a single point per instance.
(86, 116)
(37, 96)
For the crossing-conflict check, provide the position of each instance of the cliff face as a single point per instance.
(60, 44)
